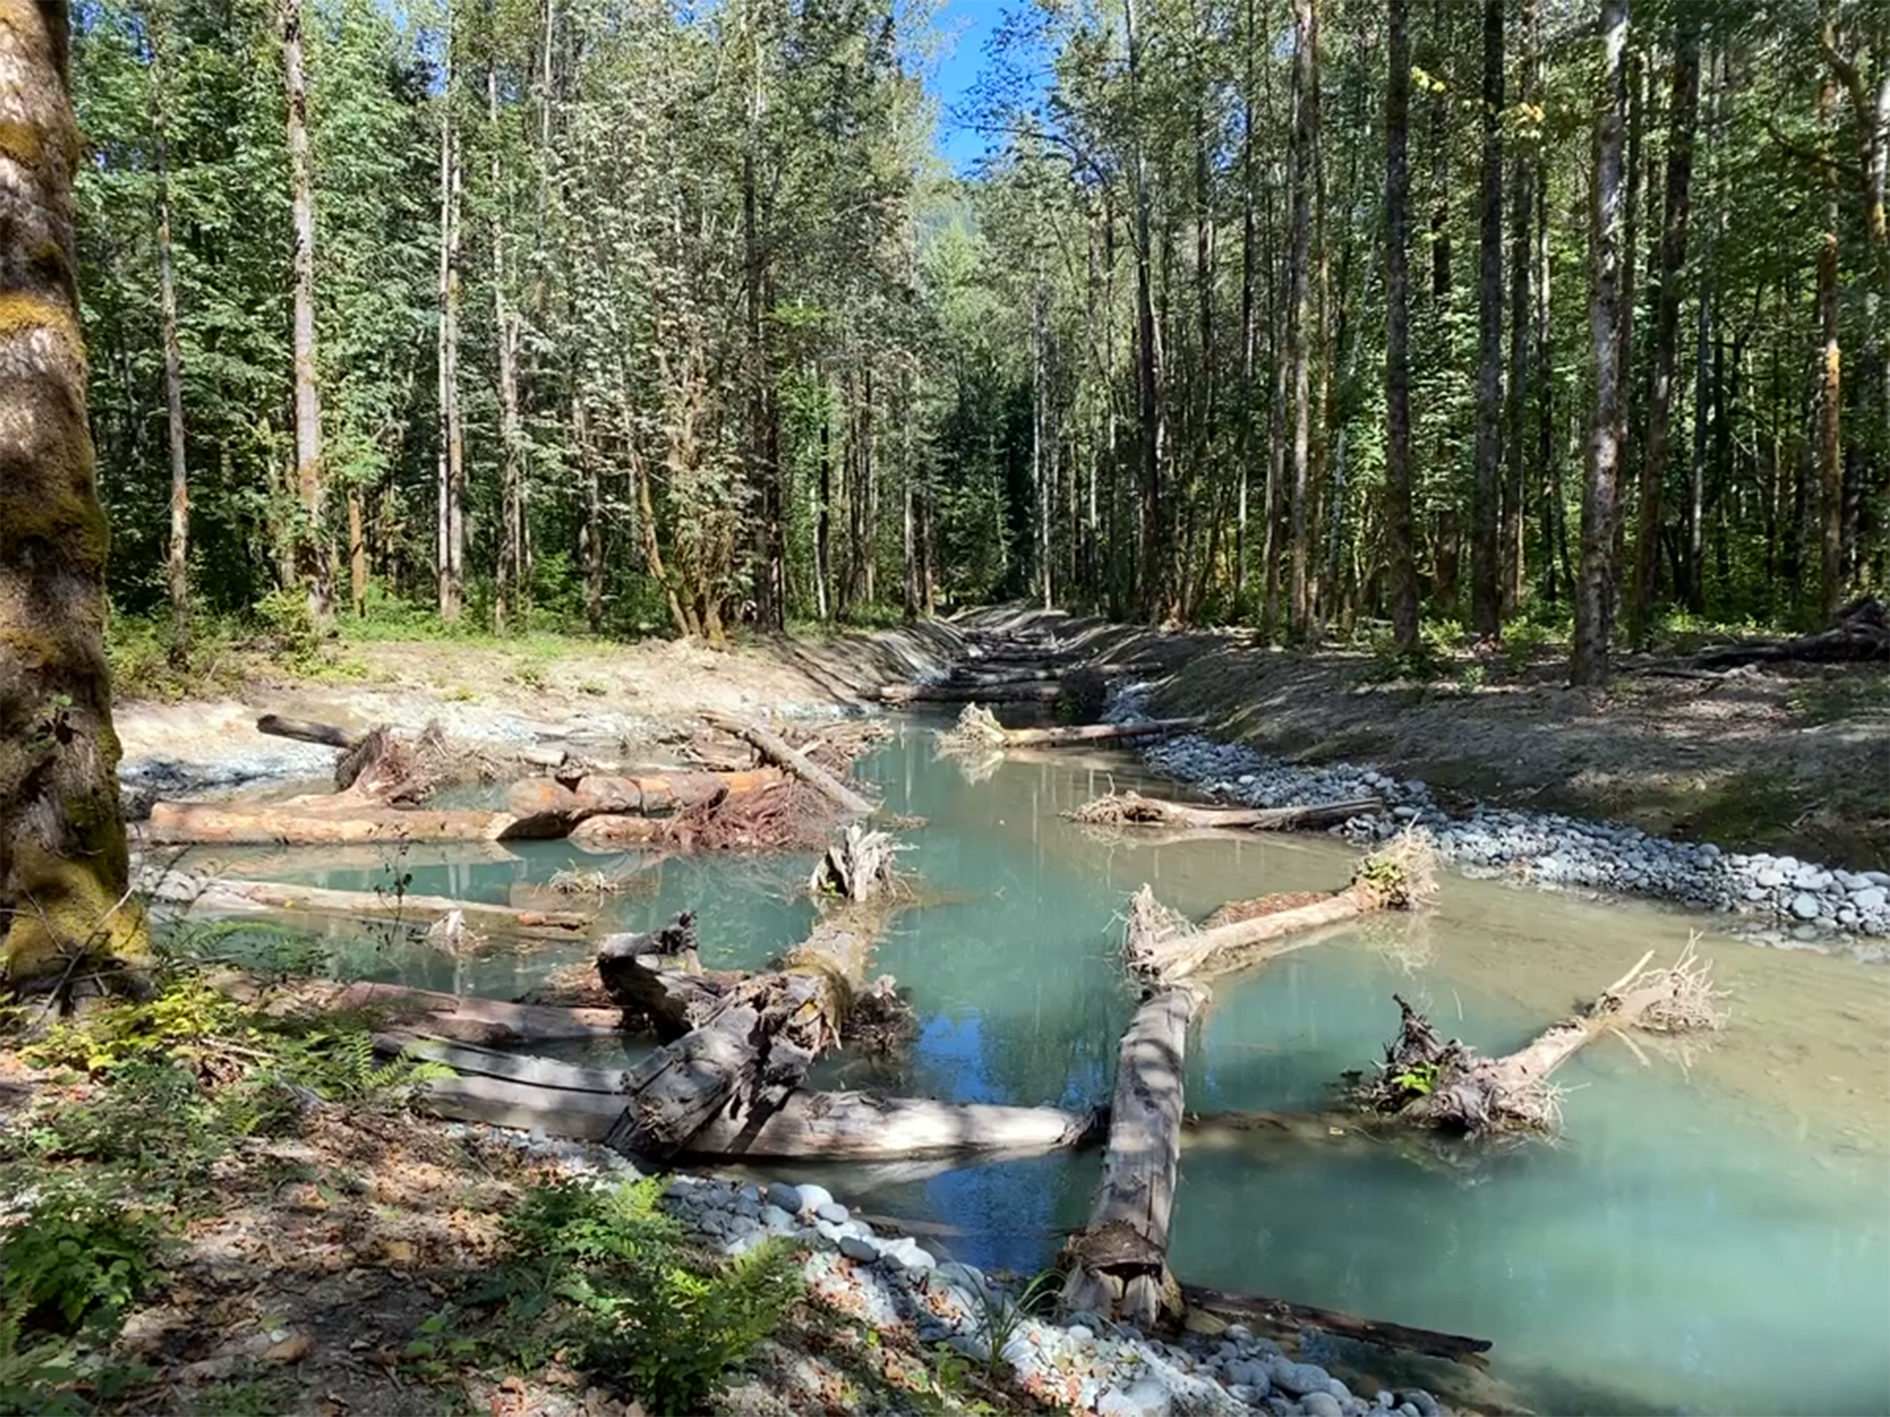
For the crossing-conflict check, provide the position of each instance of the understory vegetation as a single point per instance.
(149, 1119)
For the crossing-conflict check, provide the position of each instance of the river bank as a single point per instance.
(1478, 816)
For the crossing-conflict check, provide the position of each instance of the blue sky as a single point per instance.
(965, 26)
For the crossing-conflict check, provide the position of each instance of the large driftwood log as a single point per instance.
(1133, 809)
(307, 823)
(328, 735)
(1859, 632)
(977, 729)
(1118, 1264)
(778, 751)
(1161, 946)
(1430, 1082)
(1014, 691)
(745, 1057)
(216, 896)
(583, 1104)
(548, 808)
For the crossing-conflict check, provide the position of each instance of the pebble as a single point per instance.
(813, 1197)
(858, 1249)
(785, 1197)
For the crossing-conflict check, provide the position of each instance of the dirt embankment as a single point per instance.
(1780, 758)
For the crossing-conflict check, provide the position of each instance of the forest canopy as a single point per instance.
(1322, 316)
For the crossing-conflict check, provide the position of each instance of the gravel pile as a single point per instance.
(1086, 1365)
(1794, 902)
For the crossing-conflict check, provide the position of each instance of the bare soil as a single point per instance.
(1781, 758)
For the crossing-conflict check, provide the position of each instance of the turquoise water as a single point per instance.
(1712, 1234)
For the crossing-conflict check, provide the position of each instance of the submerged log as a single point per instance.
(1430, 1082)
(1133, 809)
(611, 833)
(1285, 1317)
(1162, 946)
(217, 896)
(319, 822)
(778, 751)
(1118, 1264)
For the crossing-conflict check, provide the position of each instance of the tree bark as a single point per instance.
(1486, 571)
(1152, 416)
(1521, 259)
(64, 869)
(1673, 255)
(314, 554)
(1398, 529)
(1594, 592)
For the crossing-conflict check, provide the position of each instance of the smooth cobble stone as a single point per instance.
(1145, 1397)
(833, 1213)
(814, 1197)
(776, 1219)
(1299, 1378)
(786, 1197)
(1321, 1404)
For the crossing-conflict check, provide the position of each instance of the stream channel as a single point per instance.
(1711, 1234)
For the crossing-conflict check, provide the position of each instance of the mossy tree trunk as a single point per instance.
(64, 903)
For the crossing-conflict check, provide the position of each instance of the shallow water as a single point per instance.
(1712, 1235)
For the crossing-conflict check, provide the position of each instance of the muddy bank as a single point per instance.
(605, 699)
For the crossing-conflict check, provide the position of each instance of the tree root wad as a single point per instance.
(1448, 1085)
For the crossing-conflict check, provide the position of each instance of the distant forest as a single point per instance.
(1330, 317)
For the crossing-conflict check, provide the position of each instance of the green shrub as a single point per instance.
(603, 1274)
(76, 1263)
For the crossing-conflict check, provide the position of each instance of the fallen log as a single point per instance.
(1282, 1316)
(745, 1058)
(978, 730)
(218, 896)
(583, 1104)
(1162, 946)
(1118, 1264)
(461, 1018)
(305, 730)
(547, 808)
(1859, 632)
(1017, 691)
(1429, 1082)
(1133, 809)
(305, 823)
(777, 751)
(609, 834)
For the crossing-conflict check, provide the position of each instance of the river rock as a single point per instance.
(776, 1219)
(813, 1197)
(1424, 1403)
(859, 1249)
(1299, 1378)
(1771, 878)
(1145, 1397)
(1321, 1404)
(786, 1197)
(1871, 899)
(832, 1212)
(1805, 906)
(1249, 1373)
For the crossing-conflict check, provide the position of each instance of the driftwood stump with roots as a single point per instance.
(1446, 1084)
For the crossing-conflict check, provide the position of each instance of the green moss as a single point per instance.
(20, 143)
(72, 907)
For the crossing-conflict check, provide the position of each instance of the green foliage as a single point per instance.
(605, 1276)
(998, 1316)
(1420, 1081)
(74, 1264)
(147, 664)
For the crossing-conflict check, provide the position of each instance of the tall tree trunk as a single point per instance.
(593, 513)
(314, 556)
(1404, 596)
(1039, 453)
(64, 872)
(1554, 514)
(450, 535)
(823, 513)
(1522, 205)
(179, 550)
(1438, 137)
(1249, 333)
(1673, 257)
(1708, 296)
(1152, 415)
(1594, 597)
(1486, 602)
(508, 596)
(1305, 136)
(1830, 460)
